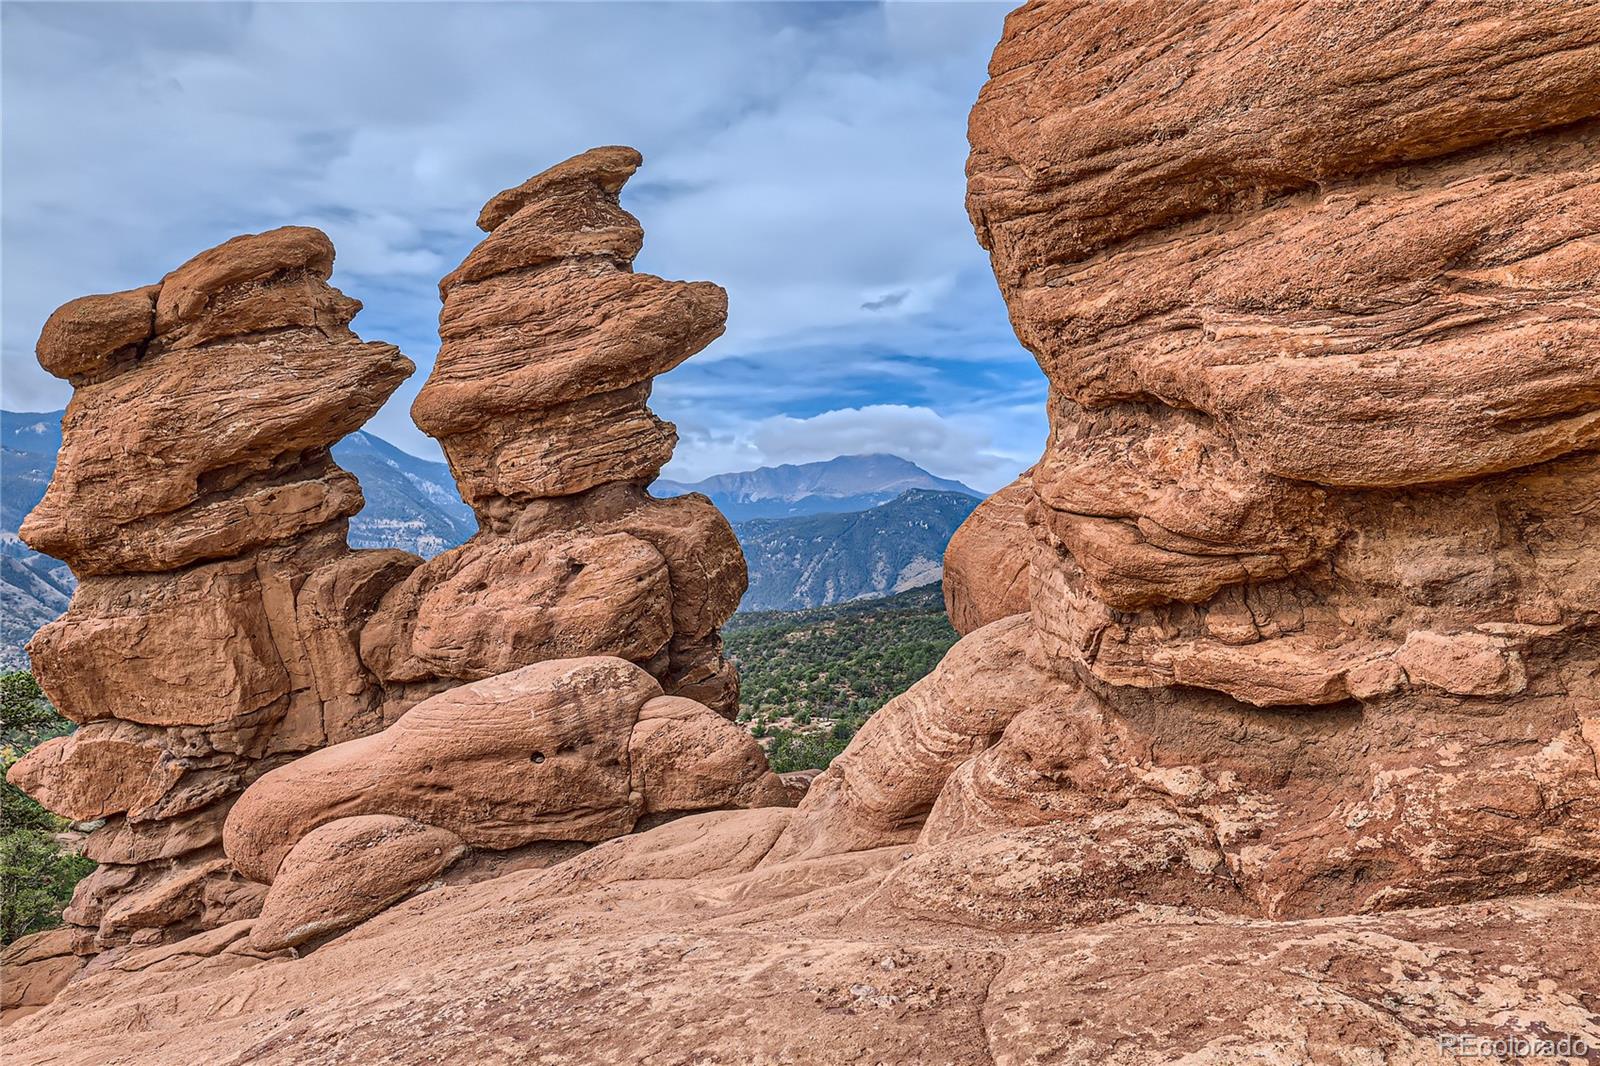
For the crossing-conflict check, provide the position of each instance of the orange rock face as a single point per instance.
(196, 500)
(1325, 413)
(986, 562)
(566, 750)
(346, 871)
(37, 967)
(169, 459)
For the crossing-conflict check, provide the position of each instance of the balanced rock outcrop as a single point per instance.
(549, 344)
(215, 628)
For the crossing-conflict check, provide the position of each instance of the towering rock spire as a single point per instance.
(214, 631)
(549, 344)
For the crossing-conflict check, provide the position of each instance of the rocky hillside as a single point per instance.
(28, 447)
(844, 483)
(34, 589)
(411, 503)
(833, 558)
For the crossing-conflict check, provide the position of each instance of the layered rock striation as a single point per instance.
(986, 562)
(1314, 525)
(538, 397)
(215, 628)
(1312, 573)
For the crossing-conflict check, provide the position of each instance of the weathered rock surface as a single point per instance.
(880, 790)
(213, 631)
(986, 561)
(169, 459)
(1312, 523)
(344, 872)
(549, 344)
(37, 967)
(699, 950)
(683, 757)
(567, 750)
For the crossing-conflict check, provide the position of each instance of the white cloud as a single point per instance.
(809, 158)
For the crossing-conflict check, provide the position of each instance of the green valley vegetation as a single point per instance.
(809, 679)
(37, 875)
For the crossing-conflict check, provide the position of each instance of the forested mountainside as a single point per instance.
(809, 678)
(826, 559)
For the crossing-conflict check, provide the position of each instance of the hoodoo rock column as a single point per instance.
(549, 344)
(214, 632)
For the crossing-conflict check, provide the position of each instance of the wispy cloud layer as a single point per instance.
(807, 157)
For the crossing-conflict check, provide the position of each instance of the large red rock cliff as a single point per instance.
(1315, 525)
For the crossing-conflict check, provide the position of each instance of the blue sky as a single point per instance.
(806, 157)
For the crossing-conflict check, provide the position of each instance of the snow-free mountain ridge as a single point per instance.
(844, 483)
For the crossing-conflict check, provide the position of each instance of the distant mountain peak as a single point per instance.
(828, 486)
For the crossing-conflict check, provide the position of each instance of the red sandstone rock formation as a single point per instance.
(214, 633)
(223, 627)
(1291, 759)
(550, 342)
(986, 561)
(1314, 563)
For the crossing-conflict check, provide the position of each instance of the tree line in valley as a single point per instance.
(809, 679)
